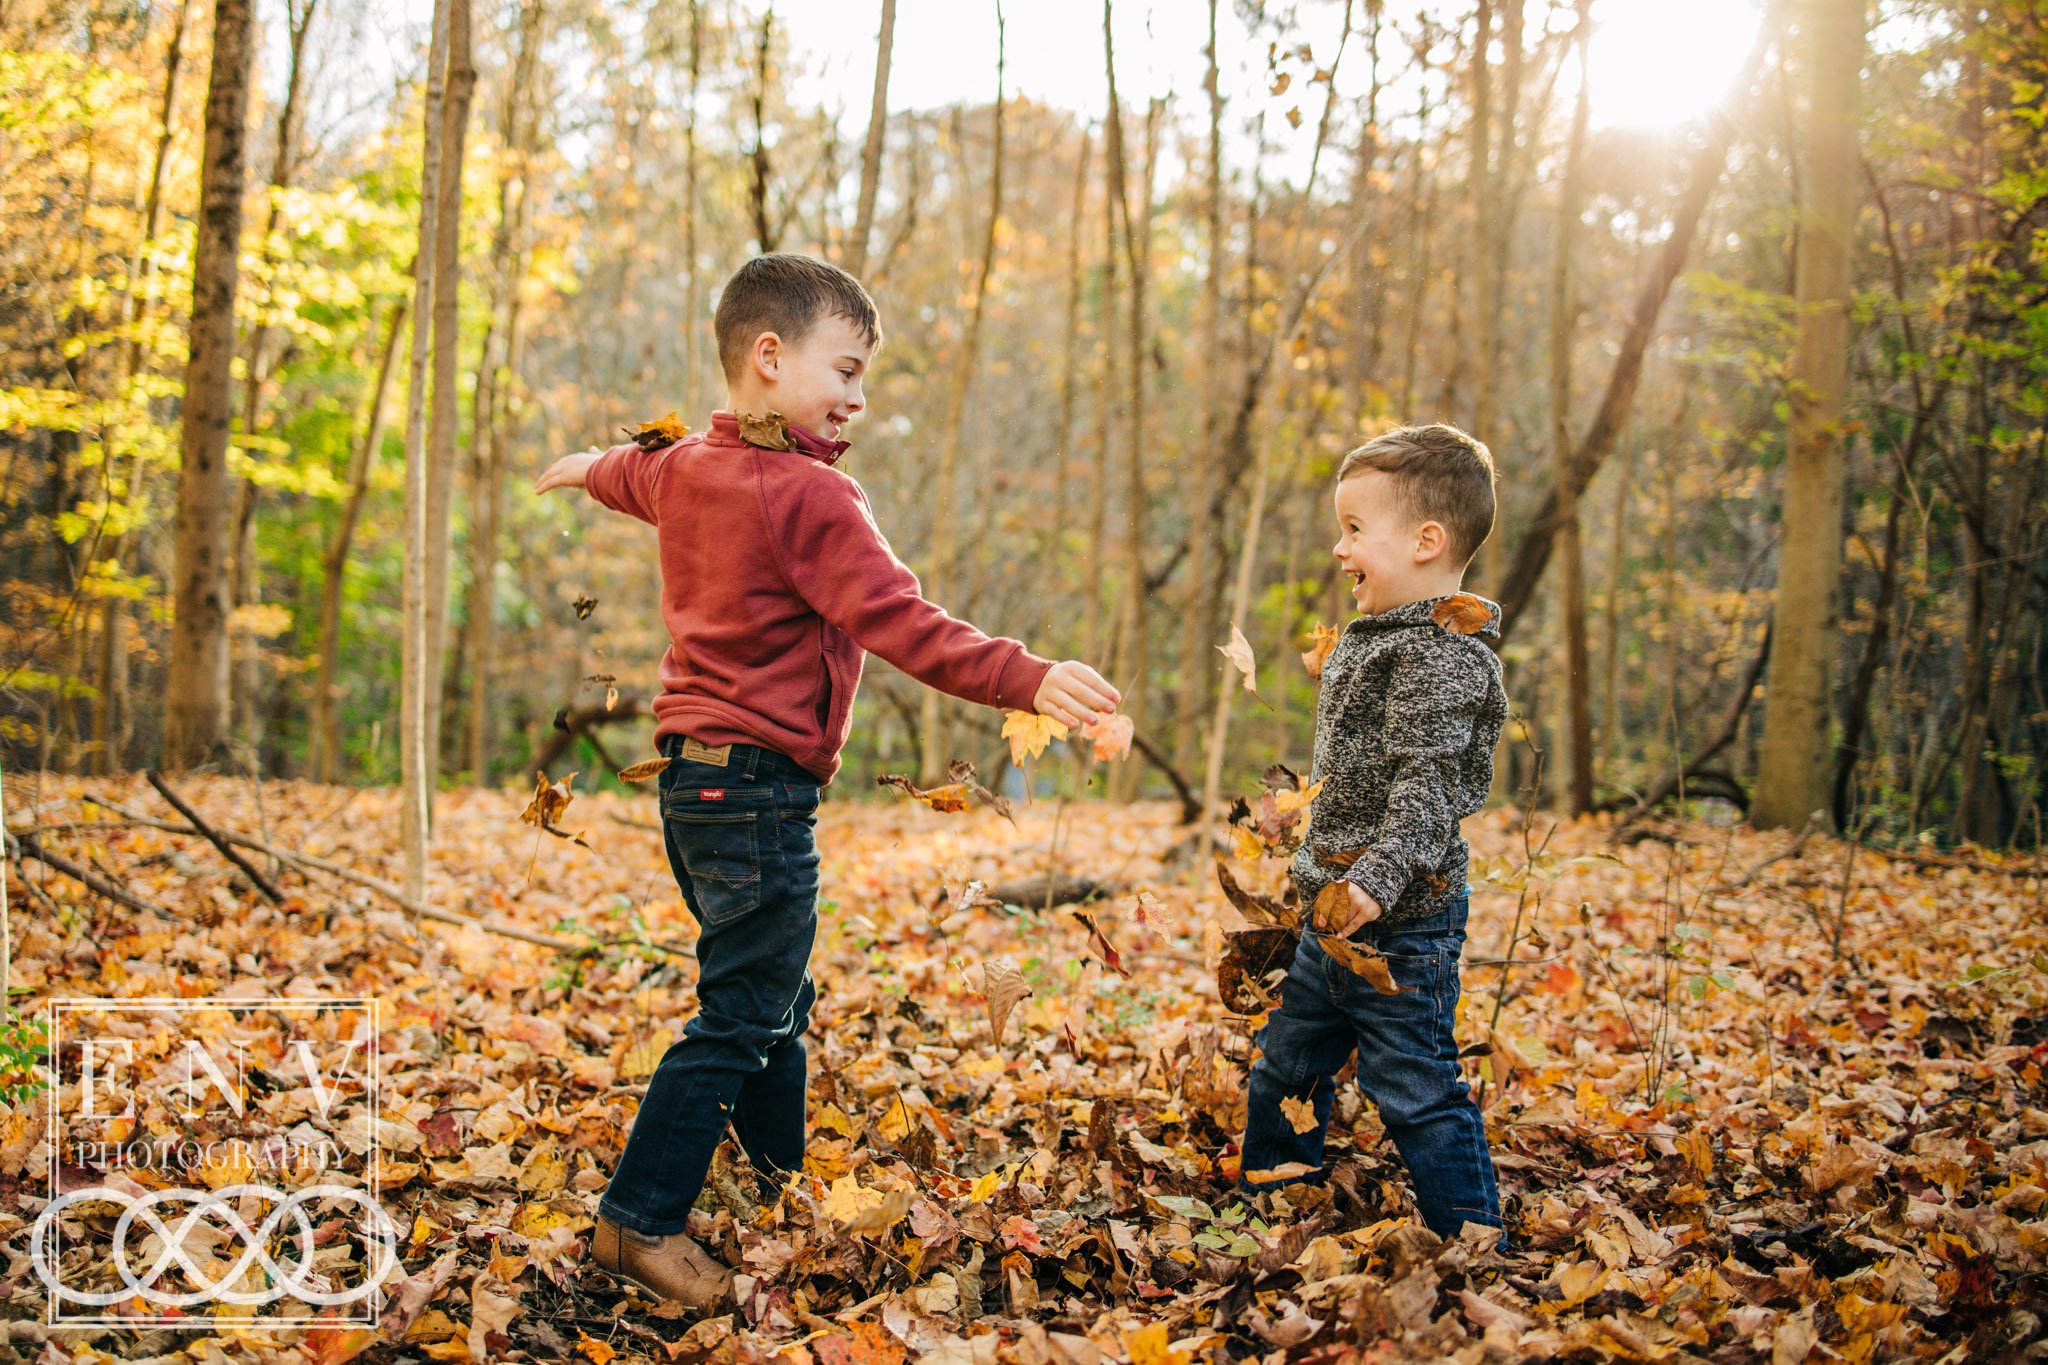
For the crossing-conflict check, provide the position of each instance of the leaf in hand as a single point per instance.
(1003, 986)
(640, 772)
(1239, 652)
(1332, 908)
(1463, 614)
(1362, 960)
(1029, 733)
(1319, 648)
(550, 802)
(662, 432)
(769, 433)
(1111, 736)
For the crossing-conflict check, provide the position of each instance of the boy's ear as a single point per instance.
(1431, 540)
(767, 356)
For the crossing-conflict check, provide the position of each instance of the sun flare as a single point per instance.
(1656, 63)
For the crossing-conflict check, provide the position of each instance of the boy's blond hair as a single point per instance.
(788, 295)
(1439, 474)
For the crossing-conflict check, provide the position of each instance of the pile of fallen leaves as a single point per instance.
(1718, 1137)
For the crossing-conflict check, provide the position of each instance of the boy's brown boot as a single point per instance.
(671, 1267)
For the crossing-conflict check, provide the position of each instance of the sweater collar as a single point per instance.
(725, 431)
(1425, 612)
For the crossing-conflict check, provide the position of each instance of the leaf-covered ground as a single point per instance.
(1717, 1139)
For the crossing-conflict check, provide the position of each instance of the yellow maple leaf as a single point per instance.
(1300, 1114)
(846, 1199)
(1029, 733)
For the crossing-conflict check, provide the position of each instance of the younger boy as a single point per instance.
(774, 581)
(1410, 708)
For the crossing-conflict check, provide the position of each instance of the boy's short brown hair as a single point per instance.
(1440, 474)
(788, 295)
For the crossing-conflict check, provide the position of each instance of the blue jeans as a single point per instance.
(1407, 1065)
(742, 841)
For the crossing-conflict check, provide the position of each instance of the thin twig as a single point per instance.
(227, 850)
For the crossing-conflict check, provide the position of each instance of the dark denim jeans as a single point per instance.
(1407, 1065)
(742, 841)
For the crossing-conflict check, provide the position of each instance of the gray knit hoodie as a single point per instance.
(1406, 724)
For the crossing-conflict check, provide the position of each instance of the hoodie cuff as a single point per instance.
(1380, 880)
(1018, 680)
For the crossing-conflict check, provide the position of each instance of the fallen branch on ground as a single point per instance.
(227, 850)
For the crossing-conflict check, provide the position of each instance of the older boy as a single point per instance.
(774, 581)
(1410, 709)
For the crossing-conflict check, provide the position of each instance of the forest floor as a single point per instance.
(1718, 1138)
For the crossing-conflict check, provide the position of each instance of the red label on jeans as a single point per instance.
(711, 794)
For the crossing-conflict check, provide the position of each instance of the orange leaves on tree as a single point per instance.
(1029, 733)
(662, 432)
(1319, 648)
(550, 802)
(1463, 614)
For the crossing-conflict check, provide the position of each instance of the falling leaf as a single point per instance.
(660, 433)
(1463, 614)
(1256, 906)
(1319, 648)
(611, 688)
(1294, 117)
(1111, 736)
(585, 606)
(549, 804)
(1148, 910)
(769, 433)
(1289, 802)
(962, 772)
(1003, 986)
(1362, 960)
(1239, 652)
(1280, 83)
(640, 772)
(1251, 956)
(949, 799)
(1099, 941)
(1300, 1114)
(1029, 733)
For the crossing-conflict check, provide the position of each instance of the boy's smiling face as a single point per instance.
(815, 381)
(1391, 559)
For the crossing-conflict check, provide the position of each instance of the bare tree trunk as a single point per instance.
(1133, 654)
(257, 364)
(1240, 602)
(1070, 360)
(1610, 636)
(1205, 538)
(1571, 198)
(871, 151)
(1490, 229)
(196, 690)
(324, 760)
(1792, 771)
(765, 235)
(694, 317)
(442, 419)
(415, 757)
(932, 725)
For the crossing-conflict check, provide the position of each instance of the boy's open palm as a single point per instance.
(1074, 694)
(567, 472)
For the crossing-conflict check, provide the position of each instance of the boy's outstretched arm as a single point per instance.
(621, 478)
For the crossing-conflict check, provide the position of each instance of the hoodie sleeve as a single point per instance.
(837, 560)
(1434, 699)
(623, 480)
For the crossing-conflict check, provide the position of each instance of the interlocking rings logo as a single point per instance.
(294, 1277)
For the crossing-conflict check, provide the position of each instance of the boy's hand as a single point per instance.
(567, 472)
(1074, 694)
(1364, 910)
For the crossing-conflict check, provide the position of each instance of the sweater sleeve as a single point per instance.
(838, 561)
(1434, 698)
(623, 480)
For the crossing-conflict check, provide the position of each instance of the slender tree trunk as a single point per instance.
(1793, 770)
(871, 151)
(416, 769)
(1571, 198)
(1532, 554)
(765, 235)
(933, 726)
(693, 319)
(1610, 636)
(196, 690)
(1070, 359)
(442, 419)
(1240, 603)
(1133, 657)
(1105, 389)
(1205, 538)
(1490, 227)
(325, 744)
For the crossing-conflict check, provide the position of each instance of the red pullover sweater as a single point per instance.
(775, 581)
